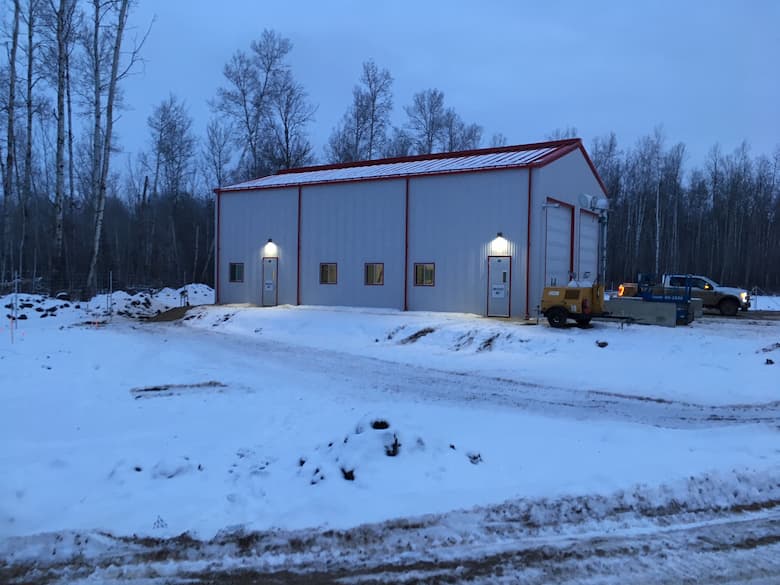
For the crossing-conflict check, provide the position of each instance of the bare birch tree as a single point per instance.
(25, 193)
(63, 15)
(425, 120)
(286, 144)
(253, 80)
(10, 147)
(102, 158)
(362, 132)
(457, 135)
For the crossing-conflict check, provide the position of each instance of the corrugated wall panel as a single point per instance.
(352, 224)
(453, 221)
(558, 245)
(247, 220)
(564, 179)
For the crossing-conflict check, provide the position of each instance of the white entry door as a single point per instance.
(499, 285)
(270, 293)
(557, 263)
(588, 267)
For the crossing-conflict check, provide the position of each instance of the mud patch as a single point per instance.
(464, 340)
(172, 389)
(395, 332)
(487, 344)
(417, 335)
(224, 319)
(170, 315)
(769, 348)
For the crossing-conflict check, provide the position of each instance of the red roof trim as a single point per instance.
(382, 178)
(554, 155)
(436, 156)
(593, 168)
(563, 147)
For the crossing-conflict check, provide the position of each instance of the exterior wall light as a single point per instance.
(499, 246)
(270, 249)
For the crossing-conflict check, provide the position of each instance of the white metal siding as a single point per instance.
(452, 222)
(558, 245)
(352, 224)
(247, 219)
(453, 219)
(564, 179)
(589, 247)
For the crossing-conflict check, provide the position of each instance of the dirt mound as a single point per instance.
(170, 315)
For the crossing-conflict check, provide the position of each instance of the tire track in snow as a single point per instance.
(430, 384)
(485, 545)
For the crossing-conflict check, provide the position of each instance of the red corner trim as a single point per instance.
(406, 247)
(528, 251)
(298, 254)
(216, 258)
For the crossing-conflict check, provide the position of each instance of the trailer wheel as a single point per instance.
(729, 307)
(557, 316)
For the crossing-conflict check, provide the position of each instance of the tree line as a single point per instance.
(76, 209)
(721, 219)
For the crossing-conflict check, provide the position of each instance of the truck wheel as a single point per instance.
(729, 307)
(583, 323)
(557, 316)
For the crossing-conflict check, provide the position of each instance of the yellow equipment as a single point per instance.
(580, 303)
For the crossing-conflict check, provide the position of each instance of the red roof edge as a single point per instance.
(562, 148)
(553, 156)
(436, 156)
(593, 168)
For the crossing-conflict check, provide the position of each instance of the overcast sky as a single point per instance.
(706, 70)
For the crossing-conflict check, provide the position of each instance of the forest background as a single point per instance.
(76, 208)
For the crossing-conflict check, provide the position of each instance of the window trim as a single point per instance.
(433, 275)
(365, 274)
(230, 269)
(336, 266)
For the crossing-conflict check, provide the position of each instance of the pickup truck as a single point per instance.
(728, 300)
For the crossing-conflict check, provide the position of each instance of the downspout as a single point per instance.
(216, 258)
(406, 247)
(528, 250)
(298, 252)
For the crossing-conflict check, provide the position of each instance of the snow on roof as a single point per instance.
(486, 159)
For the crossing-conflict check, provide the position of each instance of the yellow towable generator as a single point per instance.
(580, 303)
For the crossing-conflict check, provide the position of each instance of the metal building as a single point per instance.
(480, 231)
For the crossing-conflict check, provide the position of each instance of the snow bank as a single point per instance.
(764, 303)
(712, 361)
(137, 306)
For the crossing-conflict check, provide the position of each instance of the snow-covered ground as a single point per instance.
(764, 303)
(241, 418)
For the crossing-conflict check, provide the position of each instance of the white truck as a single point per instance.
(726, 299)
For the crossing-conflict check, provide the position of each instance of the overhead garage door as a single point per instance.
(589, 247)
(558, 245)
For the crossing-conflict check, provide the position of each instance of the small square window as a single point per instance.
(375, 274)
(329, 273)
(236, 272)
(424, 274)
